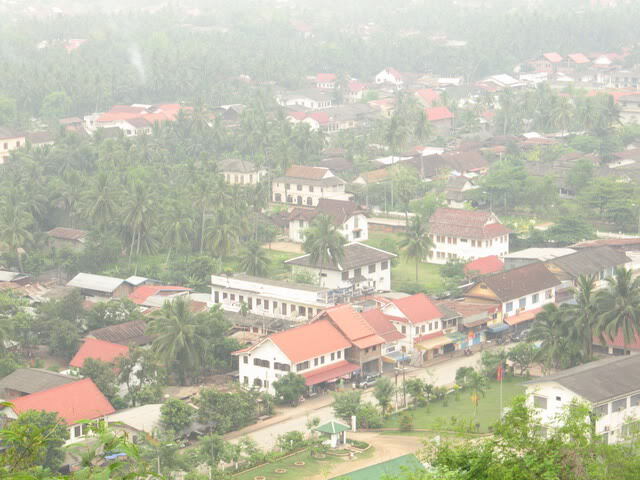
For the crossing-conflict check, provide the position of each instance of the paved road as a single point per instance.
(265, 435)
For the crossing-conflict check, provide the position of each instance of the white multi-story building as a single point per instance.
(268, 298)
(466, 235)
(317, 351)
(363, 269)
(348, 216)
(312, 99)
(391, 76)
(611, 387)
(302, 185)
(9, 141)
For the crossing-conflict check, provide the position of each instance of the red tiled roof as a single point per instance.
(353, 326)
(321, 117)
(303, 171)
(98, 350)
(310, 341)
(553, 57)
(382, 325)
(435, 114)
(297, 115)
(417, 308)
(356, 86)
(73, 402)
(473, 224)
(618, 341)
(428, 336)
(330, 372)
(325, 77)
(484, 265)
(578, 58)
(428, 95)
(142, 293)
(395, 73)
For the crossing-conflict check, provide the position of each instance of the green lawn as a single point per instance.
(403, 272)
(438, 417)
(311, 467)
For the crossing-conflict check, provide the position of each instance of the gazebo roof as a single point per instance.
(332, 427)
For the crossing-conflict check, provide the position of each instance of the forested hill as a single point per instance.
(170, 53)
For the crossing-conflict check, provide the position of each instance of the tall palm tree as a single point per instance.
(177, 227)
(138, 213)
(100, 200)
(15, 225)
(552, 328)
(323, 242)
(584, 314)
(177, 340)
(223, 234)
(416, 242)
(619, 307)
(254, 260)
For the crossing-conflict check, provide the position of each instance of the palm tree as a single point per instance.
(416, 242)
(552, 328)
(223, 234)
(100, 200)
(177, 340)
(619, 307)
(177, 227)
(477, 385)
(584, 314)
(138, 214)
(323, 242)
(254, 260)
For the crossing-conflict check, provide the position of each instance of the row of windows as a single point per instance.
(237, 178)
(258, 362)
(266, 305)
(522, 303)
(318, 361)
(431, 326)
(6, 145)
(371, 269)
(474, 243)
(600, 410)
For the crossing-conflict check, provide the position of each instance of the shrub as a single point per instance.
(406, 423)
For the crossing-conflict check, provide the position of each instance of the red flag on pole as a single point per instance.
(500, 373)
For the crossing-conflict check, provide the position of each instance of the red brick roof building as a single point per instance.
(98, 350)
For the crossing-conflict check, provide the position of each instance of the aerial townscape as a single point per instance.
(278, 239)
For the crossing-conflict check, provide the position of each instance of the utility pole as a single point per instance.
(404, 388)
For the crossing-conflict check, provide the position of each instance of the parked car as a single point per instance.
(369, 380)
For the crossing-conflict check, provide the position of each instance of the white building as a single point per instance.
(363, 269)
(268, 298)
(312, 99)
(520, 292)
(466, 235)
(9, 141)
(611, 387)
(349, 218)
(316, 351)
(302, 185)
(391, 76)
(240, 172)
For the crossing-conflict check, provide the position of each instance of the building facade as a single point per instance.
(302, 185)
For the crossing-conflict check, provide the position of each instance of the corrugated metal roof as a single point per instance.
(98, 283)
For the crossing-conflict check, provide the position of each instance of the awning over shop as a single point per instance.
(395, 357)
(432, 343)
(476, 320)
(457, 337)
(500, 327)
(330, 372)
(522, 317)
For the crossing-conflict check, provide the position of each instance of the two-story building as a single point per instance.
(390, 76)
(269, 298)
(366, 344)
(597, 262)
(240, 172)
(363, 269)
(349, 218)
(520, 293)
(610, 387)
(326, 80)
(9, 141)
(317, 351)
(391, 349)
(420, 321)
(303, 185)
(311, 98)
(466, 235)
(75, 403)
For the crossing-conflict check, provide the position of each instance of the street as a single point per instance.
(266, 433)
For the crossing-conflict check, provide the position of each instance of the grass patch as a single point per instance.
(310, 468)
(438, 417)
(403, 271)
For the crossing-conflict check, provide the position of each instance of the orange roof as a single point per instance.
(356, 86)
(142, 293)
(578, 58)
(381, 323)
(98, 350)
(438, 113)
(353, 326)
(553, 57)
(330, 372)
(484, 265)
(73, 402)
(428, 95)
(522, 317)
(417, 308)
(320, 117)
(325, 77)
(304, 171)
(310, 341)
